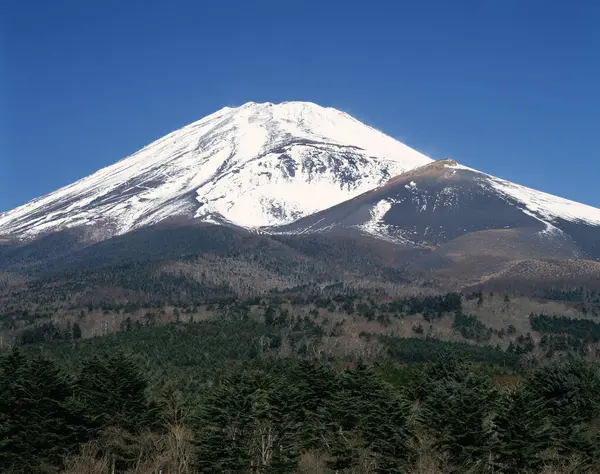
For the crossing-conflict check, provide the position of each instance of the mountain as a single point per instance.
(250, 166)
(462, 223)
(304, 190)
(443, 200)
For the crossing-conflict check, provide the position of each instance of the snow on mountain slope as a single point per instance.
(442, 201)
(545, 206)
(255, 165)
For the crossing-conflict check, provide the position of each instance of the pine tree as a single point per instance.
(369, 421)
(39, 423)
(457, 411)
(247, 423)
(316, 385)
(269, 316)
(523, 433)
(571, 391)
(114, 392)
(76, 331)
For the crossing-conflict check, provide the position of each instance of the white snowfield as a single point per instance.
(543, 206)
(254, 165)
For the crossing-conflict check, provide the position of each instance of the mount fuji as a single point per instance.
(300, 186)
(251, 166)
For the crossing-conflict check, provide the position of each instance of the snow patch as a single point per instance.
(547, 206)
(376, 226)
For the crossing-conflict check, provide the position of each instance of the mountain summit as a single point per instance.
(255, 165)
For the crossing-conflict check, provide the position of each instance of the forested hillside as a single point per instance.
(262, 361)
(225, 396)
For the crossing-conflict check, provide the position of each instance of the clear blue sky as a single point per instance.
(511, 87)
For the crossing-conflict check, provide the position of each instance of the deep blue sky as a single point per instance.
(511, 87)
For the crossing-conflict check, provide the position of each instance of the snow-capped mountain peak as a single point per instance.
(260, 164)
(444, 201)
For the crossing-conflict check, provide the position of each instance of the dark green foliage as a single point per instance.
(418, 329)
(265, 418)
(114, 392)
(255, 411)
(587, 300)
(269, 316)
(39, 420)
(248, 422)
(415, 350)
(76, 331)
(317, 385)
(524, 344)
(193, 353)
(571, 388)
(571, 392)
(523, 433)
(459, 402)
(432, 307)
(585, 330)
(45, 332)
(561, 343)
(45, 415)
(369, 420)
(471, 328)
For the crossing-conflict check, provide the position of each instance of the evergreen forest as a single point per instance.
(241, 396)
